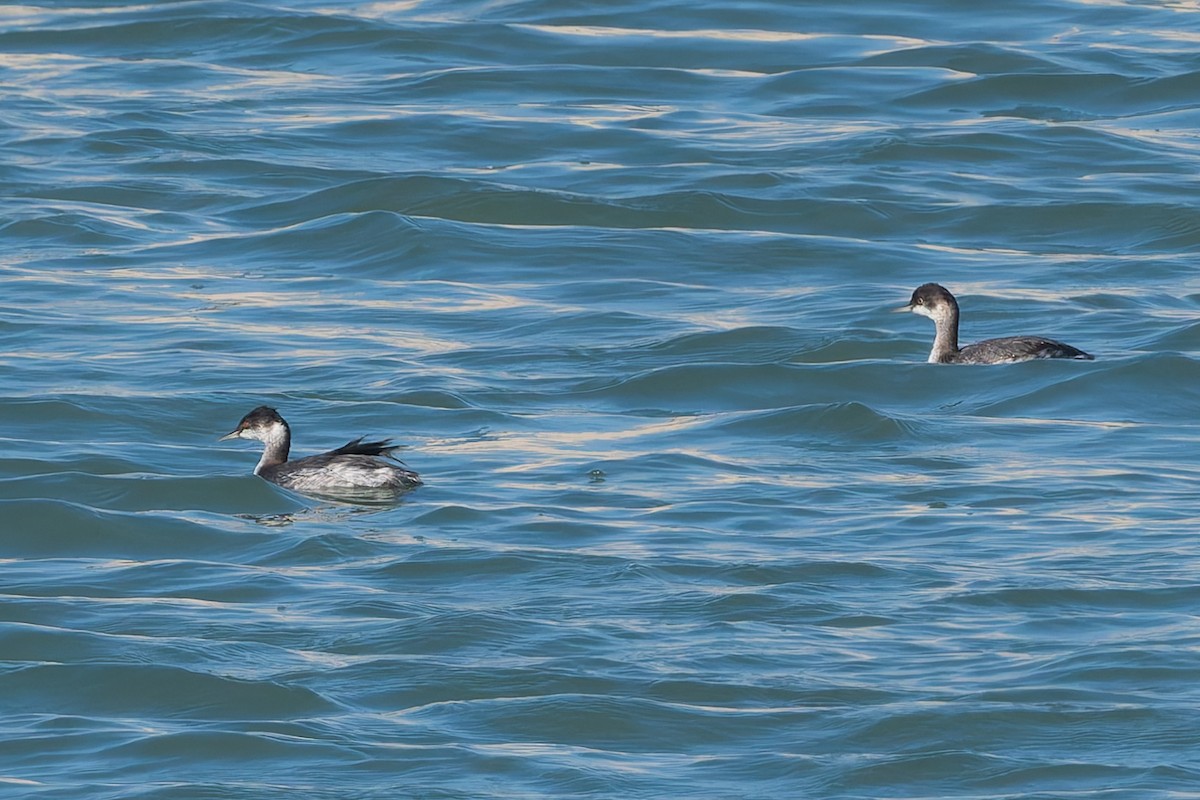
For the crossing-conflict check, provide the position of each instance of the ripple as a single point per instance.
(155, 692)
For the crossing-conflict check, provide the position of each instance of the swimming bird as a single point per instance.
(355, 466)
(934, 301)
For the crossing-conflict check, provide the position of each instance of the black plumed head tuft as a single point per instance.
(930, 295)
(263, 415)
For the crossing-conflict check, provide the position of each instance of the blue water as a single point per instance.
(698, 519)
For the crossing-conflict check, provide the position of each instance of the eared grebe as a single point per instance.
(355, 466)
(935, 302)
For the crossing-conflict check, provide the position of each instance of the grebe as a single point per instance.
(934, 301)
(355, 466)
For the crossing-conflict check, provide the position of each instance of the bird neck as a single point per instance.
(945, 341)
(276, 444)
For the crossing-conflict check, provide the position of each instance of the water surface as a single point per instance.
(698, 519)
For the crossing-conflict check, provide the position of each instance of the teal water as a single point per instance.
(698, 519)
